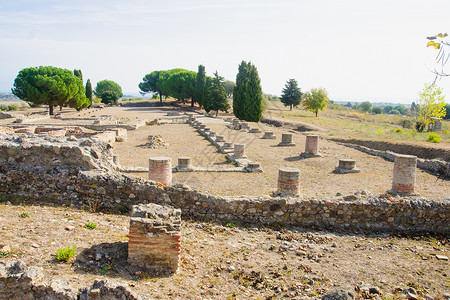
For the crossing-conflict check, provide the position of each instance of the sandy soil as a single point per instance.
(226, 262)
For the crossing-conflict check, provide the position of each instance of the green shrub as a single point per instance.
(24, 215)
(90, 225)
(3, 107)
(65, 254)
(399, 130)
(434, 138)
(380, 131)
(13, 107)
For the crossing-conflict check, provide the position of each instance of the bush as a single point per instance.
(13, 107)
(90, 225)
(394, 112)
(434, 138)
(406, 123)
(65, 254)
(377, 110)
(3, 107)
(399, 130)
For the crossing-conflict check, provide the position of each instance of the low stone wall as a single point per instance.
(430, 165)
(49, 151)
(67, 172)
(114, 192)
(17, 281)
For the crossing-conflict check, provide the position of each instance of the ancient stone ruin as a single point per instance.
(155, 238)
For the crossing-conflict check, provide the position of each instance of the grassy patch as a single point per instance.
(65, 254)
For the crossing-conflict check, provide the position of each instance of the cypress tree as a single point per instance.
(78, 74)
(89, 92)
(292, 96)
(247, 94)
(217, 95)
(200, 87)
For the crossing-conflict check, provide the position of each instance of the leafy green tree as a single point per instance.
(78, 74)
(365, 106)
(431, 106)
(387, 109)
(376, 110)
(109, 91)
(349, 105)
(153, 82)
(229, 86)
(50, 86)
(200, 87)
(401, 109)
(315, 99)
(247, 94)
(291, 94)
(217, 95)
(447, 112)
(180, 84)
(89, 92)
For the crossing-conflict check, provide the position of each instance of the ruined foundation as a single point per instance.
(184, 164)
(286, 140)
(268, 135)
(155, 238)
(404, 176)
(239, 150)
(311, 147)
(289, 182)
(160, 170)
(346, 166)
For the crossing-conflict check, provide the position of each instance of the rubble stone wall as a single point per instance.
(17, 281)
(60, 174)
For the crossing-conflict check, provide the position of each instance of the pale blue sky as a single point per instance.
(357, 50)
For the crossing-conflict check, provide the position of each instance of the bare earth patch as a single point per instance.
(226, 261)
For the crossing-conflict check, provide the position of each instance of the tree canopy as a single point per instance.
(365, 106)
(50, 86)
(315, 99)
(291, 94)
(109, 91)
(153, 83)
(431, 106)
(247, 94)
(229, 86)
(180, 84)
(200, 87)
(217, 96)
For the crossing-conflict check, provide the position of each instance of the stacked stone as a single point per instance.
(268, 135)
(160, 170)
(239, 150)
(121, 134)
(289, 182)
(254, 130)
(347, 166)
(155, 238)
(286, 140)
(184, 164)
(404, 177)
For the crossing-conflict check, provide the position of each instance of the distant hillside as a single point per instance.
(8, 97)
(379, 104)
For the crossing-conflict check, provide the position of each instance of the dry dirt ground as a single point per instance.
(224, 261)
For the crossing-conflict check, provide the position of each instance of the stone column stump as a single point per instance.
(286, 140)
(184, 164)
(404, 177)
(254, 130)
(311, 146)
(155, 238)
(288, 182)
(160, 170)
(220, 138)
(268, 135)
(346, 166)
(239, 150)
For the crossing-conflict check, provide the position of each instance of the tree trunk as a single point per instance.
(291, 107)
(316, 112)
(50, 110)
(192, 102)
(60, 108)
(160, 97)
(217, 112)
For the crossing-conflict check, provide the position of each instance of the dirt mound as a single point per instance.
(154, 142)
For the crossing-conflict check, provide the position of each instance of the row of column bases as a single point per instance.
(403, 179)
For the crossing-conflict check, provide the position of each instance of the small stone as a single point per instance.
(98, 256)
(94, 293)
(5, 249)
(35, 245)
(338, 294)
(441, 257)
(70, 228)
(301, 253)
(231, 268)
(411, 296)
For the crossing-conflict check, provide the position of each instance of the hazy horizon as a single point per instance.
(358, 50)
